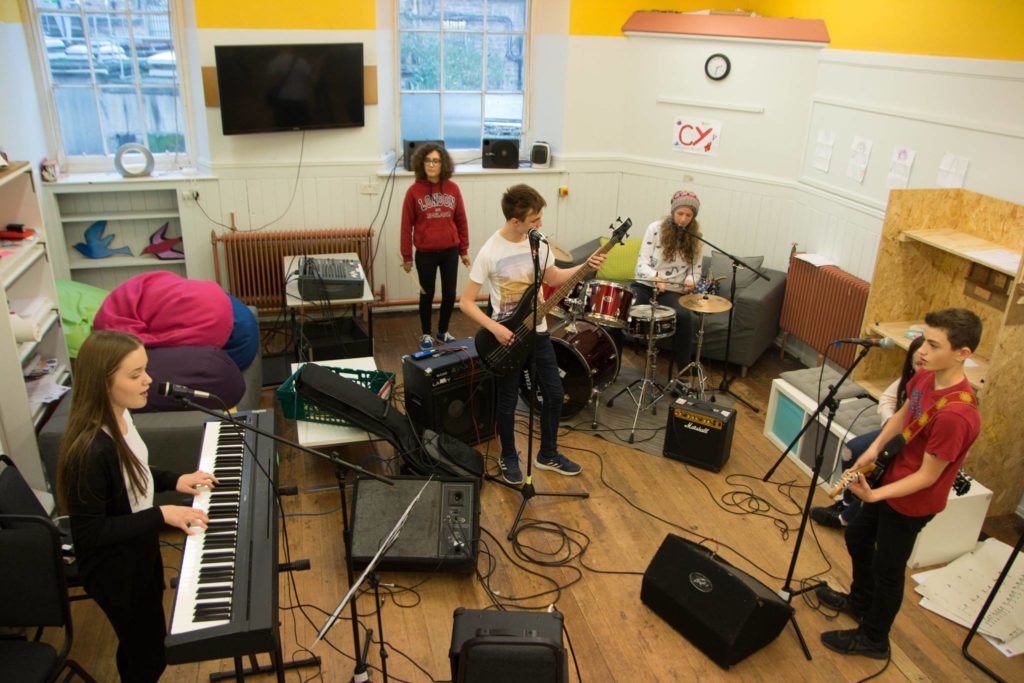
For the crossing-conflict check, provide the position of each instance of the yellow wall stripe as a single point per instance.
(981, 29)
(10, 12)
(350, 15)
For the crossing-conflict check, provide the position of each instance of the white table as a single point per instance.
(294, 301)
(318, 434)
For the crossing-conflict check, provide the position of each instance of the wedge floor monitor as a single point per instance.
(270, 88)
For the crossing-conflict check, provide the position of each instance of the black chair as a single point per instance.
(17, 498)
(34, 595)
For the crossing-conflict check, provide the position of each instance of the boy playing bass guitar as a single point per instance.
(939, 421)
(506, 265)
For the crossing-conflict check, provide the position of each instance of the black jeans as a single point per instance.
(683, 339)
(550, 382)
(427, 264)
(880, 541)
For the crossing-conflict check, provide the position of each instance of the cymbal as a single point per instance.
(705, 303)
(669, 286)
(557, 251)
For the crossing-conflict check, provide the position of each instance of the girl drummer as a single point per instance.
(670, 261)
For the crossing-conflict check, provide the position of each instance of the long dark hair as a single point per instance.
(98, 359)
(420, 156)
(675, 240)
(908, 371)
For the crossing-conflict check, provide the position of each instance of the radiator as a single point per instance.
(823, 304)
(253, 262)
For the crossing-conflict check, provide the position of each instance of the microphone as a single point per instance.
(179, 391)
(881, 342)
(536, 237)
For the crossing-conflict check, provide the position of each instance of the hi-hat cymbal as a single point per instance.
(705, 303)
(557, 251)
(669, 286)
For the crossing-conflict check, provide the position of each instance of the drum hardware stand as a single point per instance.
(527, 490)
(694, 369)
(650, 366)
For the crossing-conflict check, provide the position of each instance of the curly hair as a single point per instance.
(420, 155)
(677, 241)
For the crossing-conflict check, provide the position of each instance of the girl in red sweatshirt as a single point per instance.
(434, 221)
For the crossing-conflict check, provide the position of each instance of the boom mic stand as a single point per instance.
(527, 490)
(736, 263)
(342, 467)
(787, 592)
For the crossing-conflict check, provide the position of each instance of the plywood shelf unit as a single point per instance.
(919, 269)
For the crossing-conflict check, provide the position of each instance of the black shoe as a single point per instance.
(853, 642)
(840, 602)
(829, 516)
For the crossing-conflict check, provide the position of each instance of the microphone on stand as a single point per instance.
(881, 342)
(179, 391)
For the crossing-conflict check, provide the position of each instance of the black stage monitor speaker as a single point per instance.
(699, 433)
(440, 534)
(507, 647)
(540, 155)
(726, 613)
(451, 393)
(500, 153)
(409, 148)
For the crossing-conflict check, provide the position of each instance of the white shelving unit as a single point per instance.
(28, 290)
(134, 209)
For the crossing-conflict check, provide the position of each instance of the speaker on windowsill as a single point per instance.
(540, 155)
(499, 153)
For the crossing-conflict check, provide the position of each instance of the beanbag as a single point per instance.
(244, 341)
(78, 303)
(197, 367)
(164, 309)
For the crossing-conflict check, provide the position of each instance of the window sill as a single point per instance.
(477, 169)
(112, 177)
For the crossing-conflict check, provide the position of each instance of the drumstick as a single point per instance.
(415, 276)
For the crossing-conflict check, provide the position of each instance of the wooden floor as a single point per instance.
(614, 636)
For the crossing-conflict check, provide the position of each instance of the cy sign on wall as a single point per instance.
(696, 136)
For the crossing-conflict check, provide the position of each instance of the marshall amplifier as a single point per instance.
(451, 391)
(699, 433)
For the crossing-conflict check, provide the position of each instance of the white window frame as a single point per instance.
(48, 106)
(465, 154)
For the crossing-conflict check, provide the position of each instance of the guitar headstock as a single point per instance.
(619, 232)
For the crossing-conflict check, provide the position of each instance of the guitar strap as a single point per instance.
(918, 425)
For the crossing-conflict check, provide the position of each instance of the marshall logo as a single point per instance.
(695, 417)
(701, 430)
(701, 582)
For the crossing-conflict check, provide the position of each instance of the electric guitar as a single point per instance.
(501, 359)
(873, 471)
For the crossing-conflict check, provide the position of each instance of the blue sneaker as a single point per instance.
(426, 343)
(510, 471)
(558, 463)
(445, 338)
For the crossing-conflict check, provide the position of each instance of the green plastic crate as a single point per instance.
(295, 407)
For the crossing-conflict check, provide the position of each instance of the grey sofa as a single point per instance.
(755, 318)
(174, 438)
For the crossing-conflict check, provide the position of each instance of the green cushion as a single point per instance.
(621, 261)
(78, 304)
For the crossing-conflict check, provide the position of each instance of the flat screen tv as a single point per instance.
(270, 88)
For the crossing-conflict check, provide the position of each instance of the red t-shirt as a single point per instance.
(948, 436)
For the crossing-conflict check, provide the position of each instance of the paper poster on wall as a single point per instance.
(823, 150)
(952, 170)
(696, 136)
(860, 153)
(899, 168)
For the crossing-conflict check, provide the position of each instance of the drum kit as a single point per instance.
(588, 359)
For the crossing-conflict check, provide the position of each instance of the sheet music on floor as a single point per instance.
(385, 545)
(958, 591)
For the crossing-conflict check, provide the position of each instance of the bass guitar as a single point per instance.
(501, 359)
(873, 471)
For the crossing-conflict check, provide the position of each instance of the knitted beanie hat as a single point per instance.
(685, 198)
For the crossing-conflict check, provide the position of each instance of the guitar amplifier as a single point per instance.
(699, 433)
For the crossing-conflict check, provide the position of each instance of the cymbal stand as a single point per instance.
(647, 384)
(694, 369)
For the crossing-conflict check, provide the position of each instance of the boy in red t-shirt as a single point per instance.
(914, 488)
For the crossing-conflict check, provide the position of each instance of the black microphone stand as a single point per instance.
(342, 467)
(527, 490)
(787, 592)
(736, 262)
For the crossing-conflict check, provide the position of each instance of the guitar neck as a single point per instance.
(567, 286)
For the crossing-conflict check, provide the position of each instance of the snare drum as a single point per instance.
(642, 327)
(587, 360)
(607, 303)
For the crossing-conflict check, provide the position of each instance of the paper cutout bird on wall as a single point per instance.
(163, 246)
(97, 246)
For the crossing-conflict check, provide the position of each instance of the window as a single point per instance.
(112, 75)
(462, 69)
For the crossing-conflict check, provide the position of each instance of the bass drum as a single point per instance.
(587, 360)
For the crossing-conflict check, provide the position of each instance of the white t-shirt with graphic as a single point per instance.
(507, 269)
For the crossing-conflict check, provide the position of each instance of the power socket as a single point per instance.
(190, 194)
